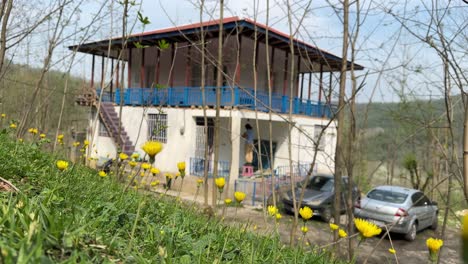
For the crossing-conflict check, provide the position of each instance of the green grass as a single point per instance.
(77, 217)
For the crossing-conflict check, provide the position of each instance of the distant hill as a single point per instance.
(405, 126)
(16, 90)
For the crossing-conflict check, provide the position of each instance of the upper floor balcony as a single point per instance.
(241, 98)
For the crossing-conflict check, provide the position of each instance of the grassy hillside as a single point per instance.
(75, 216)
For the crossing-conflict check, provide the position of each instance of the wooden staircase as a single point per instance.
(110, 119)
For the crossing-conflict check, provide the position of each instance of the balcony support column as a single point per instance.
(272, 65)
(310, 86)
(297, 75)
(238, 63)
(112, 77)
(158, 66)
(92, 71)
(285, 74)
(142, 68)
(171, 74)
(188, 66)
(235, 148)
(102, 72)
(129, 68)
(320, 84)
(330, 88)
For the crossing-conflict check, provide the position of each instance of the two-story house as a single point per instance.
(163, 97)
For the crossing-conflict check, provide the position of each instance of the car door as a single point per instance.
(422, 209)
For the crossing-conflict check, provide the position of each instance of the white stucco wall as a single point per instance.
(181, 136)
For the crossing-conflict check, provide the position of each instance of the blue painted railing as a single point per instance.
(242, 98)
(197, 168)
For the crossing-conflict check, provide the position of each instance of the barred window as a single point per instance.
(317, 130)
(157, 127)
(103, 129)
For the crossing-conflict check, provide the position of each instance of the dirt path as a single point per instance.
(319, 235)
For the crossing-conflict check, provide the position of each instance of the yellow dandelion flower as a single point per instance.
(240, 196)
(154, 183)
(76, 144)
(123, 156)
(33, 131)
(181, 166)
(132, 163)
(333, 226)
(434, 244)
(20, 140)
(227, 201)
(278, 216)
(392, 250)
(146, 166)
(60, 137)
(102, 174)
(135, 156)
(199, 182)
(142, 174)
(177, 174)
(154, 171)
(366, 228)
(306, 213)
(220, 182)
(152, 148)
(3, 115)
(168, 175)
(304, 229)
(13, 126)
(342, 233)
(62, 165)
(42, 135)
(272, 210)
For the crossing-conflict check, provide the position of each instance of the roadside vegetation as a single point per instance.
(76, 215)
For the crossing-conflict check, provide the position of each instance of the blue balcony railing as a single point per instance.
(242, 98)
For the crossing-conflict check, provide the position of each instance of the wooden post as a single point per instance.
(112, 77)
(298, 72)
(158, 64)
(188, 67)
(171, 75)
(320, 84)
(285, 74)
(102, 72)
(117, 74)
(238, 66)
(129, 69)
(272, 66)
(330, 88)
(142, 68)
(310, 85)
(302, 84)
(92, 72)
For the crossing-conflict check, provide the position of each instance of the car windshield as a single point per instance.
(319, 183)
(387, 196)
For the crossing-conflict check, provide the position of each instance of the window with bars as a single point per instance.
(201, 134)
(317, 130)
(103, 129)
(157, 127)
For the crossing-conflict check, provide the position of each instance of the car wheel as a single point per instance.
(435, 222)
(327, 215)
(411, 235)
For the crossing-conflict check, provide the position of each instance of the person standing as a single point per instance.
(249, 143)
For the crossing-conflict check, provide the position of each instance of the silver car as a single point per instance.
(401, 210)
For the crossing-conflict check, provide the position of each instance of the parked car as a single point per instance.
(319, 196)
(402, 210)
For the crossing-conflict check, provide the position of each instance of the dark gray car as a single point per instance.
(400, 209)
(319, 196)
